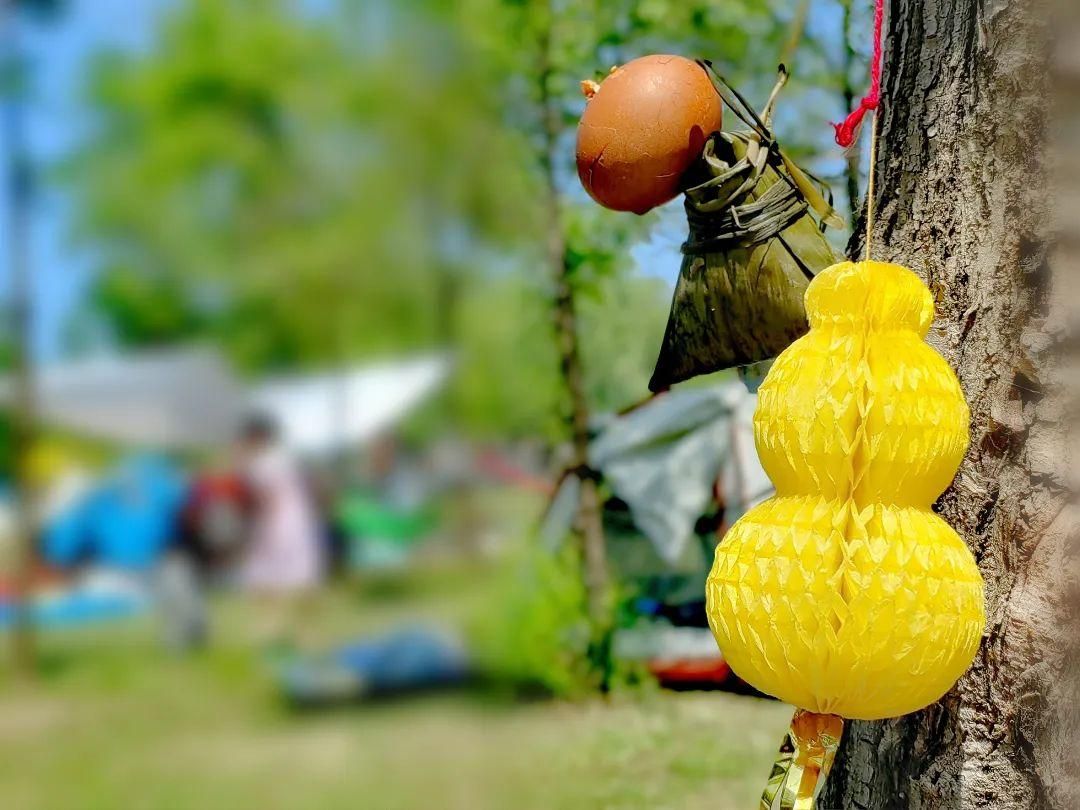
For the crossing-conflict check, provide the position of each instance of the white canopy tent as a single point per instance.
(161, 398)
(190, 398)
(321, 413)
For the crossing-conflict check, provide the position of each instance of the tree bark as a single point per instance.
(24, 408)
(962, 200)
(564, 311)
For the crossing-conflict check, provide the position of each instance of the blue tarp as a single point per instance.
(126, 522)
(408, 659)
(75, 608)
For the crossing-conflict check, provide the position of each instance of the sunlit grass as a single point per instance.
(116, 721)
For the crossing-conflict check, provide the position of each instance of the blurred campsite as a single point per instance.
(318, 357)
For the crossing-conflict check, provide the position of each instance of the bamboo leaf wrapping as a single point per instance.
(754, 244)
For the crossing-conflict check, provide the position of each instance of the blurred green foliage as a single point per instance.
(7, 437)
(307, 184)
(538, 639)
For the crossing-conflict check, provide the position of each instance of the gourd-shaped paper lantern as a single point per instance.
(844, 594)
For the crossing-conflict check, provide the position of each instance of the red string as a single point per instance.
(849, 130)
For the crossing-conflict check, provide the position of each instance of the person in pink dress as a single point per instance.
(283, 561)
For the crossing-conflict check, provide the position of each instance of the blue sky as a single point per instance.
(58, 51)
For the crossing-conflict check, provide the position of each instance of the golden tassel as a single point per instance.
(803, 762)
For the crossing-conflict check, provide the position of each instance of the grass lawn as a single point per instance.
(114, 722)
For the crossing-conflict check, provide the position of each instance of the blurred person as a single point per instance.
(282, 563)
(216, 520)
(325, 484)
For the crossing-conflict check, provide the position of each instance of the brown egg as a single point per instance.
(643, 127)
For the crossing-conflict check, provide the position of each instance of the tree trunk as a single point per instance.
(23, 410)
(589, 518)
(962, 200)
(564, 310)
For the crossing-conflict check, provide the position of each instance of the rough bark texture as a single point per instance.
(962, 199)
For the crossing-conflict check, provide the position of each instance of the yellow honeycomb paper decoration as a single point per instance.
(844, 593)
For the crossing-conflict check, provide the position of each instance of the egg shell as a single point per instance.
(643, 128)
